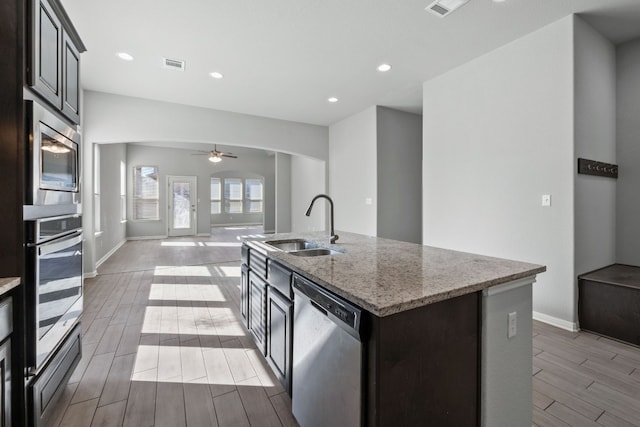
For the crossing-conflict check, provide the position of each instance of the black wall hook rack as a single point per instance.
(591, 167)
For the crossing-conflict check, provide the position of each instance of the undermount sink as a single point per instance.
(291, 245)
(301, 247)
(315, 252)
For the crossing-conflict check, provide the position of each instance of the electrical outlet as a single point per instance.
(512, 326)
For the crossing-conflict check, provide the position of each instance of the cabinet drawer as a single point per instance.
(6, 318)
(244, 254)
(258, 263)
(280, 278)
(49, 385)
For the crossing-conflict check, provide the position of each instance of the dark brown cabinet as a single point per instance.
(53, 69)
(244, 294)
(70, 79)
(279, 336)
(257, 310)
(6, 328)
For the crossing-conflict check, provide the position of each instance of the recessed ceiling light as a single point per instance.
(124, 56)
(499, 1)
(333, 99)
(216, 75)
(383, 68)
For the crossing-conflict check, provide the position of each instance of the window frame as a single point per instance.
(135, 197)
(220, 194)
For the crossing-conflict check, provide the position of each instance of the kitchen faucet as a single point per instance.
(334, 236)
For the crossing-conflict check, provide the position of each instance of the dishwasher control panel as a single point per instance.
(329, 303)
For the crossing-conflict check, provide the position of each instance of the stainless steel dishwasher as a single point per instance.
(327, 358)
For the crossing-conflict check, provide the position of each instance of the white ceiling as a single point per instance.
(284, 58)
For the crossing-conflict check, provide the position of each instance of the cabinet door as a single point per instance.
(45, 70)
(5, 383)
(257, 312)
(70, 80)
(244, 294)
(279, 338)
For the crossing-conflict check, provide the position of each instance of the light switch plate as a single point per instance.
(546, 200)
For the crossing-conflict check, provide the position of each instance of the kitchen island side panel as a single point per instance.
(423, 365)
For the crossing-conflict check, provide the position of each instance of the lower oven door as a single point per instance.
(54, 295)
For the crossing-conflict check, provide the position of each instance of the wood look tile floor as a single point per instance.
(163, 345)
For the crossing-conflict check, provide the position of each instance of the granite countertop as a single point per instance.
(387, 276)
(8, 283)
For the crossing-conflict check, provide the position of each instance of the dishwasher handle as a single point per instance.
(340, 311)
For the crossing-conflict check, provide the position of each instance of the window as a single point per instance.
(233, 195)
(123, 192)
(216, 196)
(146, 203)
(253, 196)
(96, 189)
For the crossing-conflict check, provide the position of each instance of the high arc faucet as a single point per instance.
(334, 236)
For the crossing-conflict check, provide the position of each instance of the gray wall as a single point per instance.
(353, 172)
(497, 134)
(628, 153)
(110, 118)
(171, 161)
(308, 178)
(595, 138)
(283, 193)
(113, 230)
(399, 166)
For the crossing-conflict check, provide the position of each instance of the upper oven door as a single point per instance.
(53, 159)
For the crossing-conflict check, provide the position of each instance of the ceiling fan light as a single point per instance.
(215, 159)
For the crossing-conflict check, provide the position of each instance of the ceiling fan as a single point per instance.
(216, 156)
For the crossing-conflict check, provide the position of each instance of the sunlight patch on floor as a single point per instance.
(226, 271)
(183, 270)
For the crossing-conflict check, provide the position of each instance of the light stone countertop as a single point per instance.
(7, 284)
(387, 276)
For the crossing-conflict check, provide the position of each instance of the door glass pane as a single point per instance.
(181, 205)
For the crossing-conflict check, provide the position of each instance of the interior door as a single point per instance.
(182, 196)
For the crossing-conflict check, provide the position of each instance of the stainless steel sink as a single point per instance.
(291, 245)
(315, 252)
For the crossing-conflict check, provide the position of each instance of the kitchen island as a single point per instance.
(447, 338)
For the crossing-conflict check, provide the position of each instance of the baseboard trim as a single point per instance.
(203, 235)
(108, 254)
(147, 237)
(90, 275)
(554, 321)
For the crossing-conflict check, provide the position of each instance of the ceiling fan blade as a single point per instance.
(231, 156)
(200, 154)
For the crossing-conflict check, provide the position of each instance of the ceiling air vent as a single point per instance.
(173, 64)
(443, 8)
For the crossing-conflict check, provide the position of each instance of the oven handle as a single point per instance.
(67, 242)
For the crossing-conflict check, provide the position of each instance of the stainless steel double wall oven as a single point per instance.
(53, 250)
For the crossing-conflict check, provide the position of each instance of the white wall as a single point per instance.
(113, 230)
(171, 161)
(353, 172)
(628, 153)
(595, 139)
(308, 179)
(116, 118)
(497, 134)
(399, 170)
(283, 193)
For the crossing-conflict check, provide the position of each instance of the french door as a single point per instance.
(181, 197)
